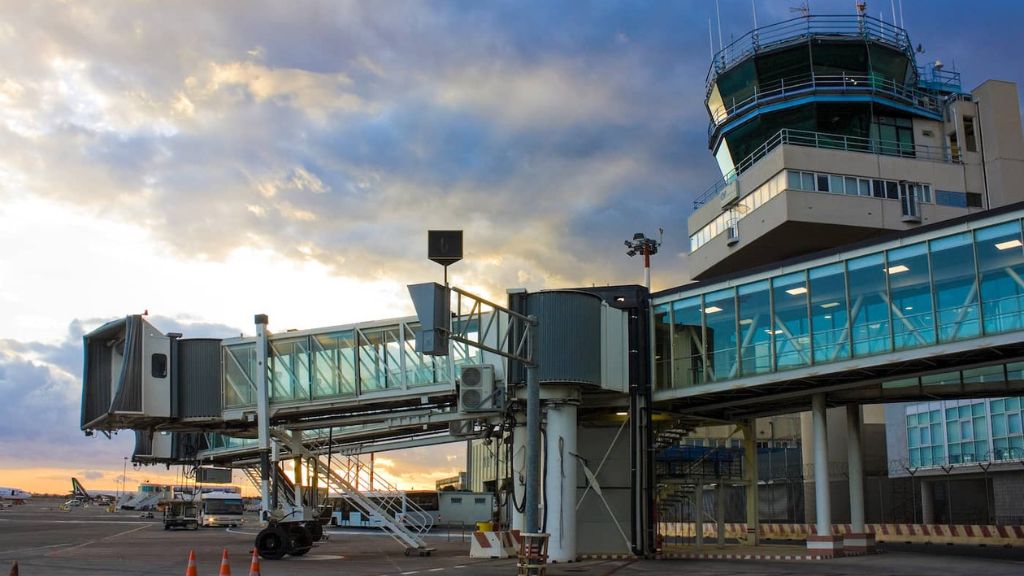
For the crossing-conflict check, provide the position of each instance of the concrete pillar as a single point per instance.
(517, 517)
(855, 466)
(560, 480)
(927, 502)
(720, 511)
(858, 541)
(698, 519)
(822, 498)
(750, 474)
(822, 543)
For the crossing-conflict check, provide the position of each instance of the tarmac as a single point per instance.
(46, 541)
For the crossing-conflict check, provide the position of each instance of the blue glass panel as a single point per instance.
(913, 437)
(915, 457)
(912, 322)
(868, 306)
(978, 409)
(792, 325)
(720, 319)
(980, 428)
(1013, 403)
(967, 431)
(998, 406)
(687, 343)
(755, 328)
(662, 346)
(953, 431)
(1013, 424)
(956, 294)
(288, 364)
(830, 330)
(1001, 265)
(998, 425)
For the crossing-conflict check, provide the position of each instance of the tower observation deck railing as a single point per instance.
(928, 101)
(827, 141)
(803, 27)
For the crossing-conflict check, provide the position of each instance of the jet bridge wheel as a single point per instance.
(316, 530)
(272, 542)
(300, 540)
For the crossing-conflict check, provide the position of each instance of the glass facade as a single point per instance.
(336, 364)
(965, 431)
(945, 289)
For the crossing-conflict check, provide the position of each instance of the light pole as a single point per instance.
(647, 247)
(124, 472)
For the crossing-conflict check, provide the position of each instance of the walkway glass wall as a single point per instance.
(336, 364)
(944, 289)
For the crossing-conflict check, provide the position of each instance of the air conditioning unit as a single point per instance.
(477, 392)
(733, 234)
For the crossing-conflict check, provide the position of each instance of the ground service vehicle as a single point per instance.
(220, 509)
(180, 514)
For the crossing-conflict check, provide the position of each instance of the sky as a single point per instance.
(208, 161)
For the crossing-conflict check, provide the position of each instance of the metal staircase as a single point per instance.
(386, 505)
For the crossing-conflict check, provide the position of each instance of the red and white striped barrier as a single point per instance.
(983, 535)
(492, 545)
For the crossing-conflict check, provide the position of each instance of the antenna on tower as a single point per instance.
(718, 14)
(711, 39)
(753, 8)
(902, 25)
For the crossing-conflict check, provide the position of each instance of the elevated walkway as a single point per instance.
(933, 313)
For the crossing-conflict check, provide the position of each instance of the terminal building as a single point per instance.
(850, 353)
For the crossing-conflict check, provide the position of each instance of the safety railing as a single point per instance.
(787, 31)
(872, 84)
(826, 141)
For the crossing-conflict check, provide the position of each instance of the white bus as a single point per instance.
(220, 509)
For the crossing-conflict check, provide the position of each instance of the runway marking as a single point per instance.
(111, 537)
(38, 521)
(23, 550)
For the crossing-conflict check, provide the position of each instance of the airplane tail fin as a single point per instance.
(77, 489)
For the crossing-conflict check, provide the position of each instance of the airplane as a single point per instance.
(10, 496)
(81, 495)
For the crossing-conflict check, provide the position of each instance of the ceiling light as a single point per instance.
(712, 309)
(746, 321)
(622, 413)
(1008, 244)
(909, 308)
(797, 291)
(897, 269)
(828, 316)
(830, 305)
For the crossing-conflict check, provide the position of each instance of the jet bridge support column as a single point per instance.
(822, 543)
(560, 476)
(517, 499)
(262, 413)
(858, 541)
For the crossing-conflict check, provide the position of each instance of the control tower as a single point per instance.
(829, 131)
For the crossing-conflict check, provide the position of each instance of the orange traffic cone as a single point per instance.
(14, 569)
(191, 569)
(254, 568)
(225, 568)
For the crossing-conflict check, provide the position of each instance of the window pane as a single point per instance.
(687, 343)
(720, 318)
(334, 364)
(851, 186)
(956, 296)
(911, 297)
(835, 184)
(1000, 263)
(823, 183)
(829, 318)
(791, 326)
(865, 187)
(793, 181)
(807, 181)
(755, 328)
(662, 346)
(868, 308)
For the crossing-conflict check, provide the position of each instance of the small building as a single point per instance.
(452, 483)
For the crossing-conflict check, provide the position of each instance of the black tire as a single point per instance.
(316, 530)
(194, 526)
(166, 527)
(272, 542)
(300, 540)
